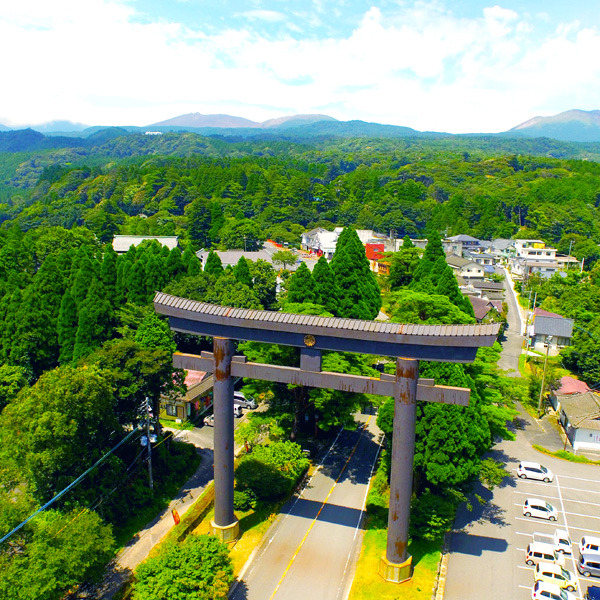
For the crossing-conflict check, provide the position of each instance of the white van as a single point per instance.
(589, 545)
(237, 411)
(537, 552)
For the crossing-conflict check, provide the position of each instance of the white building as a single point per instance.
(122, 243)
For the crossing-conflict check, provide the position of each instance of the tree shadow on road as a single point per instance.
(482, 511)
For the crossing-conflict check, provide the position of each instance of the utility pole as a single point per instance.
(548, 340)
(148, 418)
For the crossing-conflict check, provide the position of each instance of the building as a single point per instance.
(522, 269)
(568, 386)
(464, 268)
(122, 243)
(579, 414)
(549, 328)
(319, 241)
(467, 242)
(196, 400)
(374, 254)
(534, 250)
(486, 311)
(501, 249)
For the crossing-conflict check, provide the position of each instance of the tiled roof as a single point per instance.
(457, 335)
(550, 326)
(583, 410)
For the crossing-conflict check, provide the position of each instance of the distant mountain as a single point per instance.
(4, 127)
(197, 120)
(569, 126)
(200, 121)
(58, 127)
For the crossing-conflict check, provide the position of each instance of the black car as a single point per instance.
(593, 593)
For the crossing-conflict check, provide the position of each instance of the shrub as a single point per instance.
(271, 472)
(244, 500)
(199, 567)
(431, 516)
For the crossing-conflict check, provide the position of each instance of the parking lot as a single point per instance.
(487, 551)
(577, 500)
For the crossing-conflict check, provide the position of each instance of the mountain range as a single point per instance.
(568, 126)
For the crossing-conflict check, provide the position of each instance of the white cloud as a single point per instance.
(419, 66)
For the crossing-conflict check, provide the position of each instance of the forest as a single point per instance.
(81, 347)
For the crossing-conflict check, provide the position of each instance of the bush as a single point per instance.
(199, 567)
(271, 472)
(431, 516)
(244, 500)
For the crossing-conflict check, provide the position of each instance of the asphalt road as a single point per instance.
(487, 550)
(512, 343)
(311, 550)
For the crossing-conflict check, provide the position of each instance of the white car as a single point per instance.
(534, 507)
(549, 591)
(531, 470)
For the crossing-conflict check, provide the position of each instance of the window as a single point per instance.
(171, 410)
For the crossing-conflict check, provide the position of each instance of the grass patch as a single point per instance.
(566, 455)
(185, 426)
(368, 584)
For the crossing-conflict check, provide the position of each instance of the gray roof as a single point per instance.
(463, 238)
(231, 257)
(459, 261)
(582, 410)
(122, 243)
(552, 326)
(488, 285)
(501, 244)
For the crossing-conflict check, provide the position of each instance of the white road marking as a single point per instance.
(580, 490)
(575, 572)
(541, 521)
(588, 530)
(580, 515)
(558, 498)
(579, 478)
(526, 568)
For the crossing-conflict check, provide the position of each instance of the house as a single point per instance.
(521, 268)
(319, 241)
(486, 311)
(549, 328)
(466, 269)
(374, 254)
(579, 414)
(492, 290)
(196, 400)
(122, 243)
(468, 242)
(501, 248)
(534, 250)
(568, 386)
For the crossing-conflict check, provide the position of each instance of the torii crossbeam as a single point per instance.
(312, 334)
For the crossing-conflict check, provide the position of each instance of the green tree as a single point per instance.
(57, 552)
(174, 265)
(264, 280)
(68, 320)
(199, 567)
(402, 266)
(198, 218)
(12, 380)
(136, 284)
(360, 295)
(58, 428)
(326, 287)
(213, 265)
(301, 286)
(241, 272)
(284, 258)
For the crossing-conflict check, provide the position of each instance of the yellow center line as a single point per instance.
(315, 519)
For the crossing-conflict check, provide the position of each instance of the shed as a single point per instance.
(122, 243)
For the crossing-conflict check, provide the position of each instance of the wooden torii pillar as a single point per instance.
(408, 343)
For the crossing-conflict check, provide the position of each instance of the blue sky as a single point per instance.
(460, 67)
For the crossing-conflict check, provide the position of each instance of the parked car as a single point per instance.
(553, 573)
(245, 401)
(559, 539)
(589, 545)
(536, 553)
(589, 564)
(210, 420)
(532, 470)
(534, 507)
(548, 591)
(593, 593)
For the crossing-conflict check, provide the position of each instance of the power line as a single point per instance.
(69, 487)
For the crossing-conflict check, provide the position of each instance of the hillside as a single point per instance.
(570, 126)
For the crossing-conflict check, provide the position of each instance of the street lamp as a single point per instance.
(548, 340)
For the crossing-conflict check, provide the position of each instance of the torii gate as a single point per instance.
(313, 334)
